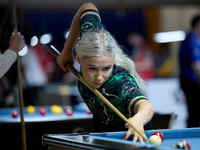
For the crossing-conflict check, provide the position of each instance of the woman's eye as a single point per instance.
(106, 68)
(92, 69)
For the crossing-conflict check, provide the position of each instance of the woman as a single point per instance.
(106, 68)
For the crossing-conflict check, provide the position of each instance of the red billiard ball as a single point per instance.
(159, 134)
(183, 144)
(69, 112)
(88, 111)
(42, 110)
(14, 113)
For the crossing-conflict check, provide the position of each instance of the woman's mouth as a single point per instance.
(97, 83)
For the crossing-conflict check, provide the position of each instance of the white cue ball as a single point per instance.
(155, 140)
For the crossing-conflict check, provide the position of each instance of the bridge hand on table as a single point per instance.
(137, 123)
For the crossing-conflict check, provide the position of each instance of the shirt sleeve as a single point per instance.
(132, 94)
(6, 60)
(90, 19)
(126, 91)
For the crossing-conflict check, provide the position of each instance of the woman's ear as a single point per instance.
(78, 59)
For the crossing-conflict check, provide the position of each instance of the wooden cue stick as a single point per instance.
(56, 53)
(23, 132)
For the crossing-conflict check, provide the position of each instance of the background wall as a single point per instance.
(174, 18)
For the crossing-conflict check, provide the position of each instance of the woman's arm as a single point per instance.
(66, 55)
(143, 114)
(145, 110)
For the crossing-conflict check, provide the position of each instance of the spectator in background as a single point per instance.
(190, 72)
(38, 65)
(17, 42)
(7, 59)
(142, 55)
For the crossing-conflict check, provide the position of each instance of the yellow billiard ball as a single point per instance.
(30, 109)
(56, 109)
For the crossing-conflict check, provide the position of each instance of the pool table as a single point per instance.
(36, 125)
(113, 140)
(79, 113)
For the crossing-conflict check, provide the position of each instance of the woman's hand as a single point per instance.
(138, 124)
(143, 114)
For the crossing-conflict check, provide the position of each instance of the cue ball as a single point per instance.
(155, 140)
(183, 144)
(42, 110)
(159, 134)
(14, 113)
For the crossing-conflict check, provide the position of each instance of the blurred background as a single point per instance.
(144, 28)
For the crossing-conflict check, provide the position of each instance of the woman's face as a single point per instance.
(96, 70)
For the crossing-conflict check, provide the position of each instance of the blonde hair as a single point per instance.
(99, 43)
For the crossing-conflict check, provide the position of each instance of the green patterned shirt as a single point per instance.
(120, 89)
(90, 19)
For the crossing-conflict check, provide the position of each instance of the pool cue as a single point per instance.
(23, 132)
(56, 53)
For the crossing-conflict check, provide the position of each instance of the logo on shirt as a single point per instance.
(127, 88)
(87, 26)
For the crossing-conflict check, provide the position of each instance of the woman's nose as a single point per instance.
(98, 76)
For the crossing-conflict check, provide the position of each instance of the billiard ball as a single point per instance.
(159, 134)
(183, 144)
(155, 140)
(69, 111)
(30, 109)
(56, 109)
(14, 113)
(42, 110)
(88, 111)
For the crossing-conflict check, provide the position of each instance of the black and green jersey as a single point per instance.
(120, 89)
(90, 19)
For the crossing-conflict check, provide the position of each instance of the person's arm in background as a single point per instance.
(66, 55)
(17, 42)
(196, 69)
(195, 53)
(195, 47)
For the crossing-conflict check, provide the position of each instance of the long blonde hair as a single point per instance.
(100, 42)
